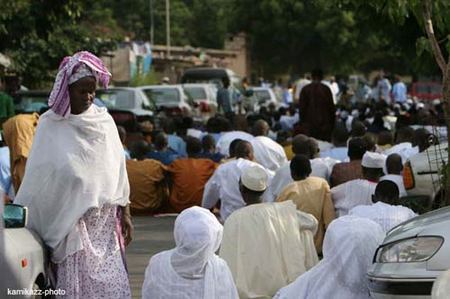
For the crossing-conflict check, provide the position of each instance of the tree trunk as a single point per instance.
(445, 69)
(446, 105)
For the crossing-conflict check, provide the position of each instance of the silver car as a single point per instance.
(25, 257)
(412, 255)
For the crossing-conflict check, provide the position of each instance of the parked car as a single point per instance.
(127, 99)
(170, 100)
(426, 90)
(25, 256)
(30, 101)
(264, 95)
(421, 173)
(204, 99)
(214, 76)
(411, 256)
(210, 75)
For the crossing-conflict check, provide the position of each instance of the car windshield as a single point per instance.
(196, 93)
(262, 95)
(32, 103)
(116, 98)
(161, 96)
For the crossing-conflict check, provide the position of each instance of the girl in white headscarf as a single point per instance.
(191, 270)
(349, 245)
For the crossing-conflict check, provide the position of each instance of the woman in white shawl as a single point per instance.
(191, 270)
(76, 185)
(349, 245)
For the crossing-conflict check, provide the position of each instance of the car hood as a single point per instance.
(141, 112)
(432, 223)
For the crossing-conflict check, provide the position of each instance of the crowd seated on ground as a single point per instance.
(285, 199)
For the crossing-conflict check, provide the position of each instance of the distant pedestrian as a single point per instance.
(399, 90)
(317, 109)
(224, 99)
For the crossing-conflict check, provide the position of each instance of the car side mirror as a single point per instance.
(15, 216)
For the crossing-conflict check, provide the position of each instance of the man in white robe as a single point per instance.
(386, 210)
(348, 249)
(268, 153)
(394, 168)
(404, 146)
(224, 183)
(266, 245)
(301, 145)
(359, 192)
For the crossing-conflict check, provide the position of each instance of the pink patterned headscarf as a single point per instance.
(69, 70)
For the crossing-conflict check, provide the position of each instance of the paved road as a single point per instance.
(152, 235)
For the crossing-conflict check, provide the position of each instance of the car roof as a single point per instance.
(161, 86)
(118, 88)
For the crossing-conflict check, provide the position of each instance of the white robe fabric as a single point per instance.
(351, 194)
(398, 180)
(76, 163)
(191, 270)
(223, 185)
(336, 153)
(349, 245)
(267, 246)
(268, 153)
(223, 144)
(283, 177)
(387, 216)
(405, 150)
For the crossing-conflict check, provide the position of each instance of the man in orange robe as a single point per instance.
(189, 177)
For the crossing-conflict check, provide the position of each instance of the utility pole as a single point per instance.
(151, 23)
(168, 27)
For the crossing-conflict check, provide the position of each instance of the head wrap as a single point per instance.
(71, 69)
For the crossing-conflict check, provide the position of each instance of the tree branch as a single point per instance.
(432, 37)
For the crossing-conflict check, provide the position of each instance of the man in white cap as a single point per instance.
(359, 192)
(224, 183)
(266, 245)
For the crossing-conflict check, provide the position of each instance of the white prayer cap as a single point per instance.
(255, 178)
(420, 105)
(373, 160)
(436, 102)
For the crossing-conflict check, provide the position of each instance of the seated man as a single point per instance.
(148, 188)
(347, 171)
(162, 151)
(339, 138)
(348, 249)
(359, 192)
(311, 195)
(394, 168)
(189, 176)
(191, 270)
(224, 184)
(266, 245)
(209, 149)
(268, 153)
(301, 145)
(386, 210)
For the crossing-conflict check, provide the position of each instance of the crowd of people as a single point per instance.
(294, 199)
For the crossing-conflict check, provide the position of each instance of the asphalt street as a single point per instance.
(152, 235)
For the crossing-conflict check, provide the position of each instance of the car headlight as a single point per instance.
(410, 250)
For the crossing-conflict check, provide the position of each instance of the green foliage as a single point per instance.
(149, 79)
(37, 34)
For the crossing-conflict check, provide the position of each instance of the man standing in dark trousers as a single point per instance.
(224, 100)
(317, 109)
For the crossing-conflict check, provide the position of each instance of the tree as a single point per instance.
(297, 36)
(37, 34)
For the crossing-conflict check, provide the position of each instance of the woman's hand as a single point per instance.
(127, 225)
